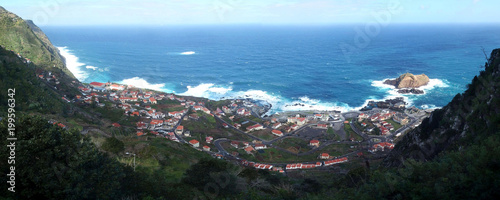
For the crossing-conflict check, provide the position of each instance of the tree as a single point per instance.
(113, 145)
(54, 163)
(212, 175)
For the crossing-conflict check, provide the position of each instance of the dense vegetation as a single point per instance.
(31, 93)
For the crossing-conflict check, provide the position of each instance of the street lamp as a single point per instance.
(134, 158)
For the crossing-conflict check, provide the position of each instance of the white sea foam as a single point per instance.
(72, 63)
(207, 90)
(429, 106)
(141, 83)
(188, 53)
(392, 92)
(91, 67)
(382, 85)
(279, 103)
(433, 83)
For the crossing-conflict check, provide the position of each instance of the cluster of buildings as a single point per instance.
(249, 148)
(302, 166)
(49, 77)
(384, 115)
(136, 103)
(381, 147)
(317, 164)
(377, 120)
(262, 166)
(255, 127)
(297, 120)
(335, 161)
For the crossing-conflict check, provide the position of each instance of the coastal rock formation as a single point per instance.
(409, 80)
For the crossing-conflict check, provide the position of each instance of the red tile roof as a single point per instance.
(277, 132)
(249, 148)
(193, 142)
(97, 84)
(314, 142)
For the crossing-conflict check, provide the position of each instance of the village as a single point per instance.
(234, 129)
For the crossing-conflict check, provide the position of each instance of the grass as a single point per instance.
(266, 137)
(331, 135)
(337, 149)
(171, 158)
(167, 101)
(173, 109)
(264, 134)
(234, 135)
(255, 119)
(350, 133)
(299, 144)
(213, 105)
(75, 125)
(112, 114)
(394, 124)
(273, 155)
(203, 125)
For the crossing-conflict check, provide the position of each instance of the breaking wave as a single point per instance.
(141, 83)
(72, 63)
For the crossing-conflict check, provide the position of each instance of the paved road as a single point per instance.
(219, 147)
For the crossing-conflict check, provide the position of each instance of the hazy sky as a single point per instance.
(162, 12)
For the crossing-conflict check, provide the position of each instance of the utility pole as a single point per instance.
(134, 158)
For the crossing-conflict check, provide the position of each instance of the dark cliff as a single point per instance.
(468, 118)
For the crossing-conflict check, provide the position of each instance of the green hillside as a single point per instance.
(32, 95)
(29, 41)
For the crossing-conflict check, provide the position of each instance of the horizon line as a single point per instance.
(266, 24)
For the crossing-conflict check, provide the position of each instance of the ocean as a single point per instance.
(334, 67)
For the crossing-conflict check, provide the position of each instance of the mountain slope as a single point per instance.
(31, 93)
(468, 118)
(29, 41)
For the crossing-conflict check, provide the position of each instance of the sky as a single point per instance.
(187, 12)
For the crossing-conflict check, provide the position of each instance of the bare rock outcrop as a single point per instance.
(409, 80)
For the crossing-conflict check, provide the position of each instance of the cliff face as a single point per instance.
(469, 117)
(29, 41)
(409, 80)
